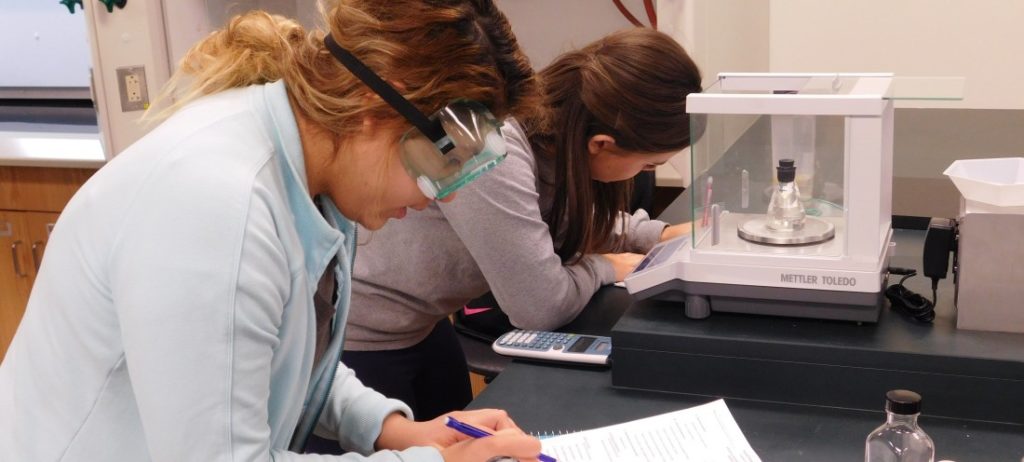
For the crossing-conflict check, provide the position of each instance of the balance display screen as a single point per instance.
(660, 253)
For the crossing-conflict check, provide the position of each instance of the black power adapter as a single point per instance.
(939, 241)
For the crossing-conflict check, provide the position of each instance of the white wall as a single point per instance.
(191, 20)
(720, 35)
(547, 28)
(981, 40)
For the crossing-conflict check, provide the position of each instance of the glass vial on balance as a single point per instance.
(900, 439)
(785, 210)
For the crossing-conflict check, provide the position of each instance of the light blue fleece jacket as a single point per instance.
(173, 317)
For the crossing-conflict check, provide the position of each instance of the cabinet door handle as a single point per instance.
(17, 263)
(36, 258)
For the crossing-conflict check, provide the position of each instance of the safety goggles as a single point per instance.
(445, 151)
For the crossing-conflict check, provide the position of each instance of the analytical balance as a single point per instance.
(791, 199)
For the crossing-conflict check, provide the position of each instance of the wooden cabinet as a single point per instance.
(31, 199)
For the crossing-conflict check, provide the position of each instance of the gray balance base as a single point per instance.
(701, 299)
(960, 374)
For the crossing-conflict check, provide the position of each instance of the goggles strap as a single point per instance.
(430, 128)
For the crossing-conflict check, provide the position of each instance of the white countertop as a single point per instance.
(37, 145)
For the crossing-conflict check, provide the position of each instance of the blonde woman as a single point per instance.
(186, 304)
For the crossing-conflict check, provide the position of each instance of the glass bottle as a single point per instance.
(900, 439)
(786, 211)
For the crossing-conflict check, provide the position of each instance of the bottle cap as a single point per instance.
(903, 402)
(786, 171)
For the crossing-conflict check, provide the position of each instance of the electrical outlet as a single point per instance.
(131, 84)
(132, 88)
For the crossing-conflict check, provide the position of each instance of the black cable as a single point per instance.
(909, 302)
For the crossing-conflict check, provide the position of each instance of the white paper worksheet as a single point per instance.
(702, 433)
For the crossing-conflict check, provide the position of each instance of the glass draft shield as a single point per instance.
(445, 151)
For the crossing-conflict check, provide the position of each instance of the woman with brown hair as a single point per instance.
(543, 232)
(193, 297)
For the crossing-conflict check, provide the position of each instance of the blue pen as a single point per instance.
(467, 429)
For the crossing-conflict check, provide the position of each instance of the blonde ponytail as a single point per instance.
(254, 48)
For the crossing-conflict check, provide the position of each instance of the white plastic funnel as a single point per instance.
(997, 182)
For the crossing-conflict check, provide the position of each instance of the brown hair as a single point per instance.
(630, 85)
(438, 50)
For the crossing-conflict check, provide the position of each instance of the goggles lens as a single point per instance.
(473, 143)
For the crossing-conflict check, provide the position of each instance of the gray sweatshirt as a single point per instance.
(422, 268)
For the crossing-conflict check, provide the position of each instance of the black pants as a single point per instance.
(431, 377)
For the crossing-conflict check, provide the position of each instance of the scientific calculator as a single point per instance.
(554, 346)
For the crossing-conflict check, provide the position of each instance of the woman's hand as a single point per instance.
(399, 433)
(676, 230)
(623, 263)
(505, 443)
